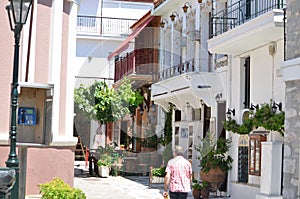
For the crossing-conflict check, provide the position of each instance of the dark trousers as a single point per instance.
(178, 195)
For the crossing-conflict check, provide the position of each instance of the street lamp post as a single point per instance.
(17, 13)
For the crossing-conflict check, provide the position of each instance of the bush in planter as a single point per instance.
(159, 172)
(213, 154)
(214, 161)
(57, 188)
(197, 187)
(157, 175)
(104, 165)
(105, 160)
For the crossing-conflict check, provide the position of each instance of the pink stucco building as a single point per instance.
(46, 82)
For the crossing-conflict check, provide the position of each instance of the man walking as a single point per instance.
(178, 176)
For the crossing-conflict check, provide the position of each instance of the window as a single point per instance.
(177, 115)
(176, 135)
(196, 114)
(248, 9)
(246, 79)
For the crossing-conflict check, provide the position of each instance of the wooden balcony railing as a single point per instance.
(138, 62)
(104, 26)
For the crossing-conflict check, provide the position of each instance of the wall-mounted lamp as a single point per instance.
(173, 16)
(141, 109)
(253, 107)
(186, 6)
(188, 105)
(153, 107)
(218, 97)
(162, 23)
(229, 111)
(275, 105)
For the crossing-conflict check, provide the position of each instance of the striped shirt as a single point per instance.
(180, 171)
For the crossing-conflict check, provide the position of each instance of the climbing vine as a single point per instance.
(264, 117)
(166, 139)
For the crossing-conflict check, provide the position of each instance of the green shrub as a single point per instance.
(105, 160)
(58, 189)
(159, 172)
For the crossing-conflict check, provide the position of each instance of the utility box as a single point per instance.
(34, 114)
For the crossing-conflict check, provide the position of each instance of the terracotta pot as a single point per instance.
(214, 177)
(205, 193)
(196, 193)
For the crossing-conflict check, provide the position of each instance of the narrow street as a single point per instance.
(118, 187)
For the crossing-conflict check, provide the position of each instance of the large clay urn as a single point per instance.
(214, 177)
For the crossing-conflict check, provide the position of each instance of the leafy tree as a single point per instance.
(103, 104)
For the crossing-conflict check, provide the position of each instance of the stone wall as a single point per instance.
(292, 106)
(293, 29)
(291, 143)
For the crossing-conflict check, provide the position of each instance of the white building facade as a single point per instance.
(101, 27)
(220, 56)
(45, 146)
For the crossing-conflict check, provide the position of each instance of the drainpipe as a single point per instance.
(197, 38)
(29, 43)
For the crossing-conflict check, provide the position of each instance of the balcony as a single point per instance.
(185, 67)
(241, 12)
(189, 86)
(138, 65)
(103, 26)
(243, 27)
(162, 7)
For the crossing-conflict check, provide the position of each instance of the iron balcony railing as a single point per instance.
(104, 26)
(185, 67)
(241, 12)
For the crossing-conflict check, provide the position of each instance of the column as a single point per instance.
(197, 38)
(271, 167)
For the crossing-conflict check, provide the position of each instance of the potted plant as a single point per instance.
(214, 161)
(157, 175)
(104, 164)
(198, 188)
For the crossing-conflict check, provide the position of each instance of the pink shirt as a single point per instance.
(180, 171)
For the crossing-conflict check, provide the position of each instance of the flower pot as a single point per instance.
(214, 177)
(205, 193)
(156, 179)
(103, 171)
(196, 193)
